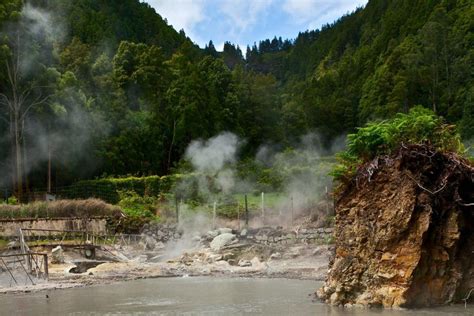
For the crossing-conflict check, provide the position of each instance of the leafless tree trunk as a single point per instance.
(19, 98)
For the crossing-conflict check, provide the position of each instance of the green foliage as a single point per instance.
(12, 200)
(138, 210)
(109, 189)
(420, 125)
(137, 206)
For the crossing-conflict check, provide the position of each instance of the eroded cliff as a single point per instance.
(404, 232)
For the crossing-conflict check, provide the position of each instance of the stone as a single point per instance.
(244, 232)
(159, 245)
(13, 244)
(228, 255)
(57, 255)
(212, 234)
(213, 258)
(224, 231)
(150, 243)
(140, 259)
(255, 262)
(244, 263)
(221, 241)
(275, 256)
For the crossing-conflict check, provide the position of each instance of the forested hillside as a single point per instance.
(100, 87)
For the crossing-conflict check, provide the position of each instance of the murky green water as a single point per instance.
(193, 296)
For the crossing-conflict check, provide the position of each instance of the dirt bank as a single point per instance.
(404, 232)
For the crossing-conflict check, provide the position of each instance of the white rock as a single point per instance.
(225, 231)
(13, 244)
(221, 241)
(255, 262)
(150, 243)
(275, 255)
(212, 234)
(243, 232)
(244, 263)
(57, 255)
(159, 245)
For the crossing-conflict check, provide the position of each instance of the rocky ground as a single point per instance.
(222, 252)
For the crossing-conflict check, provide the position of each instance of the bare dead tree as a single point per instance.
(19, 98)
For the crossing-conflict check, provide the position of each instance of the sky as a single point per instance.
(244, 22)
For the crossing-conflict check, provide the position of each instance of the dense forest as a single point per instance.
(98, 87)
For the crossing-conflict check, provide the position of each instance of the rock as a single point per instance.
(244, 263)
(13, 244)
(159, 245)
(150, 243)
(213, 258)
(140, 259)
(228, 255)
(221, 241)
(319, 251)
(212, 234)
(243, 232)
(275, 255)
(57, 255)
(255, 261)
(224, 231)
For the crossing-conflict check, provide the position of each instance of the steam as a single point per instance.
(301, 185)
(212, 155)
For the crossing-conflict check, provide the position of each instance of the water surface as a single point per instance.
(193, 296)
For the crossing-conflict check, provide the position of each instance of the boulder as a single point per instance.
(224, 231)
(275, 255)
(212, 234)
(150, 243)
(244, 263)
(57, 255)
(221, 241)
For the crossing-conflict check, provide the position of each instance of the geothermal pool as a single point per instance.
(193, 296)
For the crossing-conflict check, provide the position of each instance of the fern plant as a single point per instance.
(419, 125)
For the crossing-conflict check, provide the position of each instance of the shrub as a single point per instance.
(419, 125)
(108, 189)
(138, 210)
(135, 205)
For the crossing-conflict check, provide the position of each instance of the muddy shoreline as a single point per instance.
(240, 260)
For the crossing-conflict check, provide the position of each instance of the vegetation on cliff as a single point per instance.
(382, 138)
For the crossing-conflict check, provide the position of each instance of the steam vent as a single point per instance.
(404, 232)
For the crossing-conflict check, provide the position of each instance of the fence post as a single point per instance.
(246, 212)
(177, 209)
(327, 201)
(214, 211)
(238, 213)
(292, 212)
(263, 209)
(46, 271)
